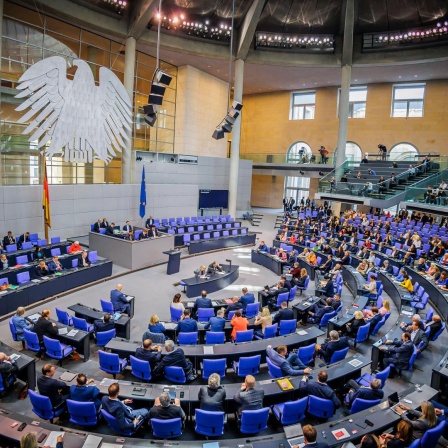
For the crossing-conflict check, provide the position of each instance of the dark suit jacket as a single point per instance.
(149, 223)
(187, 326)
(44, 327)
(375, 319)
(118, 299)
(97, 227)
(85, 394)
(100, 325)
(40, 272)
(319, 390)
(328, 291)
(109, 231)
(246, 299)
(81, 261)
(233, 307)
(7, 241)
(174, 358)
(126, 228)
(403, 352)
(23, 239)
(421, 337)
(152, 356)
(153, 234)
(283, 314)
(49, 387)
(202, 302)
(120, 411)
(329, 348)
(365, 393)
(435, 327)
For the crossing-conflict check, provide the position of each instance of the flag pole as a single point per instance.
(45, 197)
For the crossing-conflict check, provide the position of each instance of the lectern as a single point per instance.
(173, 265)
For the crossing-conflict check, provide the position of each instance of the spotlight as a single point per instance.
(218, 134)
(229, 120)
(226, 127)
(321, 173)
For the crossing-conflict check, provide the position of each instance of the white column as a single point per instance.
(236, 136)
(129, 76)
(343, 113)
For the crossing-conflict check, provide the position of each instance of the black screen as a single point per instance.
(213, 198)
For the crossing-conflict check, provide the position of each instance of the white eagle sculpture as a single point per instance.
(78, 117)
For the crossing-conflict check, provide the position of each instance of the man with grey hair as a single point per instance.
(216, 323)
(212, 396)
(371, 393)
(175, 356)
(387, 268)
(335, 343)
(164, 409)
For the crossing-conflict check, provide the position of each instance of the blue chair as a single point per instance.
(23, 277)
(415, 444)
(230, 315)
(82, 413)
(111, 363)
(42, 242)
(287, 327)
(27, 245)
(13, 330)
(325, 318)
(32, 341)
(188, 338)
(429, 315)
(75, 263)
(320, 407)
(140, 369)
(56, 350)
(244, 336)
(113, 424)
(210, 366)
(208, 423)
(442, 329)
(283, 297)
(175, 374)
(215, 337)
(363, 334)
(254, 421)
(252, 309)
(93, 256)
(103, 337)
(248, 365)
(63, 317)
(22, 259)
(11, 248)
(292, 293)
(432, 436)
(55, 240)
(305, 286)
(43, 408)
(360, 405)
(176, 314)
(339, 355)
(411, 362)
(81, 324)
(204, 314)
(274, 371)
(269, 332)
(365, 379)
(4, 281)
(107, 307)
(306, 354)
(56, 252)
(6, 385)
(378, 326)
(290, 413)
(166, 429)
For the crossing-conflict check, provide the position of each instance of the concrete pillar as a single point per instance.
(343, 113)
(129, 76)
(1, 33)
(236, 136)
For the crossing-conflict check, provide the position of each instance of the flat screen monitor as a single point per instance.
(213, 199)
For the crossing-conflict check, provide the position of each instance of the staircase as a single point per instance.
(278, 221)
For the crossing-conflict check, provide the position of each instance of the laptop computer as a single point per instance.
(393, 401)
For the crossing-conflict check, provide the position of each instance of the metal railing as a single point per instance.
(419, 191)
(325, 183)
(282, 158)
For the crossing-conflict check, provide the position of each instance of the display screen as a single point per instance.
(213, 199)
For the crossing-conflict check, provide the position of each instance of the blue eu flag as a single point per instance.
(143, 195)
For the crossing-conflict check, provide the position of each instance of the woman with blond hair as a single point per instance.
(362, 267)
(426, 419)
(155, 326)
(358, 321)
(265, 320)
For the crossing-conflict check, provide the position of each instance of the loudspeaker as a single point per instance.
(226, 127)
(163, 78)
(158, 89)
(150, 109)
(236, 105)
(155, 99)
(218, 134)
(150, 119)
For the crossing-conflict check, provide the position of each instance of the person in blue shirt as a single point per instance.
(216, 323)
(81, 391)
(246, 298)
(186, 323)
(400, 277)
(278, 358)
(202, 302)
(155, 326)
(20, 323)
(263, 248)
(119, 300)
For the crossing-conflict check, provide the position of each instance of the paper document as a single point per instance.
(92, 441)
(302, 332)
(52, 439)
(355, 362)
(62, 330)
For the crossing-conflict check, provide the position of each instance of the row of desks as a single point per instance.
(223, 242)
(179, 237)
(12, 256)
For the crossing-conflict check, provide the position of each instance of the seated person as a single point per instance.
(163, 409)
(8, 368)
(358, 321)
(25, 238)
(4, 263)
(371, 393)
(280, 253)
(85, 392)
(420, 266)
(57, 391)
(186, 323)
(201, 271)
(177, 302)
(326, 350)
(300, 282)
(126, 417)
(238, 323)
(144, 235)
(402, 438)
(55, 265)
(127, 227)
(212, 397)
(216, 323)
(362, 267)
(149, 352)
(104, 324)
(246, 298)
(421, 420)
(110, 229)
(97, 226)
(175, 356)
(326, 267)
(83, 260)
(319, 388)
(291, 366)
(406, 283)
(214, 268)
(153, 233)
(74, 247)
(264, 319)
(385, 308)
(272, 293)
(284, 313)
(42, 269)
(387, 268)
(327, 288)
(311, 258)
(235, 305)
(130, 236)
(248, 397)
(20, 323)
(105, 224)
(120, 301)
(398, 353)
(435, 325)
(149, 222)
(155, 326)
(9, 239)
(262, 247)
(370, 287)
(375, 319)
(202, 302)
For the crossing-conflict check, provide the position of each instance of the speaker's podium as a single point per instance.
(173, 265)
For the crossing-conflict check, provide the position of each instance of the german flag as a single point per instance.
(46, 198)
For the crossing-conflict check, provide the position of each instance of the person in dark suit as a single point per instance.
(127, 418)
(119, 300)
(387, 268)
(144, 235)
(272, 293)
(149, 222)
(310, 436)
(235, 305)
(327, 290)
(8, 239)
(186, 323)
(216, 323)
(319, 388)
(83, 260)
(214, 268)
(42, 269)
(398, 353)
(202, 302)
(127, 227)
(371, 393)
(57, 391)
(435, 325)
(104, 324)
(81, 391)
(246, 298)
(97, 226)
(43, 326)
(375, 319)
(110, 229)
(130, 236)
(153, 233)
(105, 224)
(175, 356)
(8, 368)
(315, 313)
(25, 238)
(284, 313)
(248, 397)
(55, 265)
(326, 267)
(286, 283)
(335, 343)
(418, 336)
(149, 353)
(345, 260)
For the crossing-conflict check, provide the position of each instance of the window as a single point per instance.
(352, 152)
(303, 106)
(357, 102)
(407, 100)
(299, 152)
(404, 151)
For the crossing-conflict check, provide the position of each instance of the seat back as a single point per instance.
(274, 371)
(215, 337)
(252, 309)
(55, 240)
(412, 359)
(63, 317)
(109, 362)
(326, 318)
(210, 366)
(55, 252)
(23, 277)
(42, 242)
(107, 306)
(175, 374)
(204, 314)
(305, 354)
(439, 332)
(209, 423)
(429, 315)
(360, 405)
(294, 411)
(320, 407)
(32, 340)
(249, 365)
(4, 281)
(74, 263)
(339, 355)
(363, 334)
(244, 336)
(254, 421)
(292, 293)
(53, 348)
(93, 256)
(378, 326)
(166, 429)
(42, 406)
(188, 338)
(176, 314)
(112, 422)
(103, 337)
(27, 245)
(287, 327)
(270, 331)
(11, 248)
(80, 324)
(140, 369)
(22, 259)
(83, 414)
(431, 436)
(383, 375)
(12, 327)
(283, 297)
